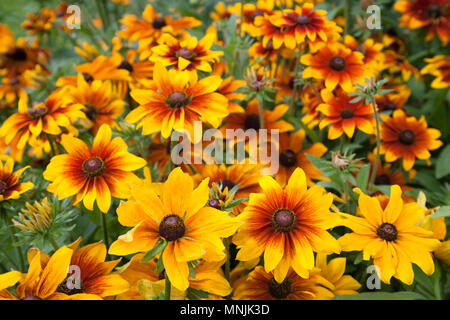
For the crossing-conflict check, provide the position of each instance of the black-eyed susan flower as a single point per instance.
(93, 174)
(395, 62)
(343, 116)
(261, 285)
(188, 55)
(286, 226)
(408, 138)
(152, 26)
(431, 15)
(176, 103)
(373, 57)
(301, 23)
(179, 217)
(438, 66)
(292, 155)
(42, 279)
(53, 117)
(390, 236)
(337, 65)
(269, 31)
(147, 284)
(10, 187)
(333, 271)
(42, 22)
(96, 277)
(98, 103)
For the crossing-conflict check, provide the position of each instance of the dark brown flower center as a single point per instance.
(37, 112)
(13, 81)
(434, 11)
(347, 114)
(252, 122)
(382, 179)
(93, 167)
(288, 158)
(172, 228)
(337, 63)
(19, 54)
(162, 275)
(90, 111)
(177, 99)
(291, 83)
(256, 13)
(227, 184)
(186, 53)
(159, 23)
(390, 106)
(407, 137)
(125, 65)
(303, 19)
(284, 220)
(280, 290)
(87, 77)
(68, 286)
(3, 186)
(31, 298)
(387, 231)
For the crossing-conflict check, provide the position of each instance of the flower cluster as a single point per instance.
(94, 203)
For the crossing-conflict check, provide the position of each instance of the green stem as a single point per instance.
(18, 249)
(296, 84)
(346, 195)
(377, 159)
(167, 289)
(261, 109)
(53, 242)
(50, 141)
(105, 231)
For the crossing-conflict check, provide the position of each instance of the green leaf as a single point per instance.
(191, 270)
(195, 294)
(157, 248)
(401, 295)
(362, 178)
(442, 212)
(159, 265)
(442, 163)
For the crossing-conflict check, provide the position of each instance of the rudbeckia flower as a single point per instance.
(293, 156)
(269, 31)
(42, 22)
(438, 66)
(333, 271)
(176, 103)
(152, 26)
(98, 102)
(147, 284)
(390, 236)
(93, 174)
(287, 226)
(343, 115)
(301, 23)
(335, 64)
(96, 279)
(10, 187)
(179, 217)
(51, 117)
(42, 279)
(371, 50)
(395, 62)
(261, 285)
(432, 15)
(187, 55)
(408, 138)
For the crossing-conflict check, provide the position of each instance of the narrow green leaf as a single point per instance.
(153, 252)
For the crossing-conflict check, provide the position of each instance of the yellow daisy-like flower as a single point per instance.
(287, 226)
(10, 187)
(93, 174)
(176, 103)
(179, 217)
(187, 55)
(146, 283)
(390, 236)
